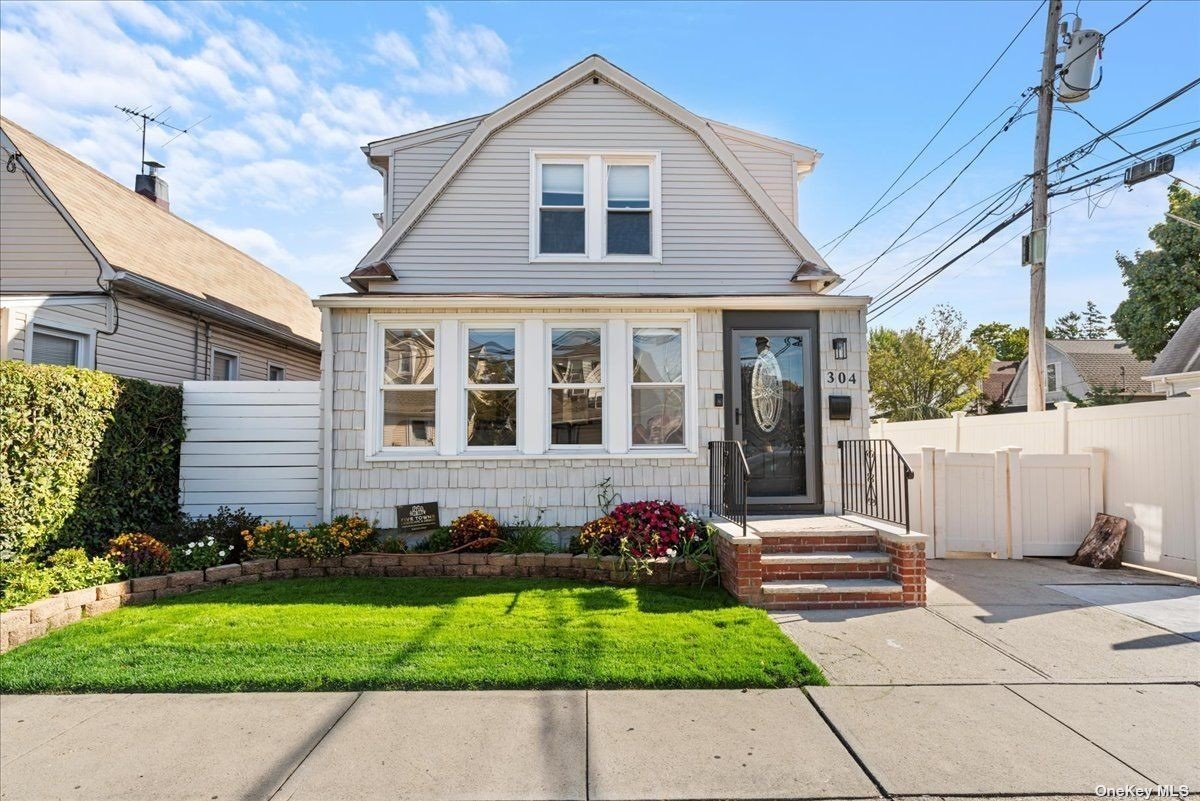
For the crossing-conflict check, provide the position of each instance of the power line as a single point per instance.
(837, 240)
(1121, 146)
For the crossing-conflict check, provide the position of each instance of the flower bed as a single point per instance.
(34, 620)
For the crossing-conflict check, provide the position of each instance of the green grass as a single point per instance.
(368, 633)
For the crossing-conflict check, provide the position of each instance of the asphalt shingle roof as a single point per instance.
(1182, 353)
(1106, 363)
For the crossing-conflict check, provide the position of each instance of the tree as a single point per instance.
(1100, 396)
(1095, 323)
(1069, 326)
(1009, 343)
(926, 371)
(1163, 283)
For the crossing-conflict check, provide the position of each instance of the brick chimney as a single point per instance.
(150, 186)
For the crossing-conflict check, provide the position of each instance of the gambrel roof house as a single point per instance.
(98, 275)
(1079, 366)
(590, 284)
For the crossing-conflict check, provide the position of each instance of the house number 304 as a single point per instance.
(840, 377)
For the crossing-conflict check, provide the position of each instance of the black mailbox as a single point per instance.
(839, 407)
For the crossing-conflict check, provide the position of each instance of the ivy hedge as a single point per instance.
(87, 455)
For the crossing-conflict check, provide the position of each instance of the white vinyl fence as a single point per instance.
(1140, 461)
(251, 444)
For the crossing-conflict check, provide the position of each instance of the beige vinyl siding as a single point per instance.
(39, 253)
(162, 344)
(774, 171)
(475, 237)
(414, 166)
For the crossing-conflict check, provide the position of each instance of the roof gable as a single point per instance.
(812, 266)
(136, 236)
(1182, 353)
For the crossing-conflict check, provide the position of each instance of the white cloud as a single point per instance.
(276, 169)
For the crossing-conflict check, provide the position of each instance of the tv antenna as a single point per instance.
(147, 118)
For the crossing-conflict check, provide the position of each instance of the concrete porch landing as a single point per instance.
(768, 525)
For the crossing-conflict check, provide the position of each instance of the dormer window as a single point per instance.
(600, 206)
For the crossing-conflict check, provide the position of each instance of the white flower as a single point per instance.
(671, 552)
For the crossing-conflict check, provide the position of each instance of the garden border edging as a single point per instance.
(34, 620)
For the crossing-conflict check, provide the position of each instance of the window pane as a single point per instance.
(629, 232)
(562, 184)
(629, 187)
(657, 355)
(492, 356)
(561, 232)
(408, 356)
(574, 356)
(49, 348)
(224, 367)
(576, 416)
(492, 417)
(408, 418)
(657, 414)
(276, 373)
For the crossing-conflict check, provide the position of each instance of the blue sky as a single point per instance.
(291, 90)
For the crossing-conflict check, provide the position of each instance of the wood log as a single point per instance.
(1102, 546)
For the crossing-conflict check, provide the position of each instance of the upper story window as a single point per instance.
(595, 207)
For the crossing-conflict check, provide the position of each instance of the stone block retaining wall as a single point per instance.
(33, 620)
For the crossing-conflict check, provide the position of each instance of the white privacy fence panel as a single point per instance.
(1151, 471)
(251, 444)
(1058, 502)
(965, 485)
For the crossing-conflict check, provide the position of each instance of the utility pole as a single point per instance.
(1036, 365)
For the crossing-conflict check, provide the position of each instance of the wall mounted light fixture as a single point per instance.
(839, 347)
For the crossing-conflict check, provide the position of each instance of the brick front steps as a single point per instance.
(34, 620)
(821, 562)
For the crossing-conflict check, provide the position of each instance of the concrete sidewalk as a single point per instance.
(831, 742)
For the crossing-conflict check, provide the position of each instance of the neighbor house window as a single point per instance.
(627, 210)
(224, 366)
(1052, 377)
(576, 387)
(562, 224)
(276, 372)
(491, 387)
(57, 346)
(658, 391)
(595, 206)
(409, 388)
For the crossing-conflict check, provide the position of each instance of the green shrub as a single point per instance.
(200, 554)
(86, 456)
(437, 541)
(23, 581)
(225, 528)
(140, 555)
(527, 536)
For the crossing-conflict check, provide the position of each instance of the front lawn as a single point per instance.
(369, 633)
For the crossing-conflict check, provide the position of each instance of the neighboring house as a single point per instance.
(1177, 369)
(1080, 366)
(995, 386)
(586, 287)
(94, 274)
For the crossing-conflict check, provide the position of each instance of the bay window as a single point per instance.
(491, 387)
(409, 389)
(600, 206)
(576, 387)
(520, 385)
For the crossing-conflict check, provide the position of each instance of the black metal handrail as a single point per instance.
(728, 481)
(875, 480)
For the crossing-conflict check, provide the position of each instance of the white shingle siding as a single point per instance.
(566, 487)
(853, 326)
(475, 238)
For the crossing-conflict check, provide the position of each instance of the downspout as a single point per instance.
(195, 348)
(207, 350)
(326, 414)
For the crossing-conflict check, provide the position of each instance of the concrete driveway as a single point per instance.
(1014, 622)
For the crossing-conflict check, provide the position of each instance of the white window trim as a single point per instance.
(595, 200)
(550, 385)
(272, 365)
(375, 390)
(533, 387)
(464, 387)
(688, 370)
(212, 363)
(85, 353)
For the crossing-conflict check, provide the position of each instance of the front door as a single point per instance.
(773, 413)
